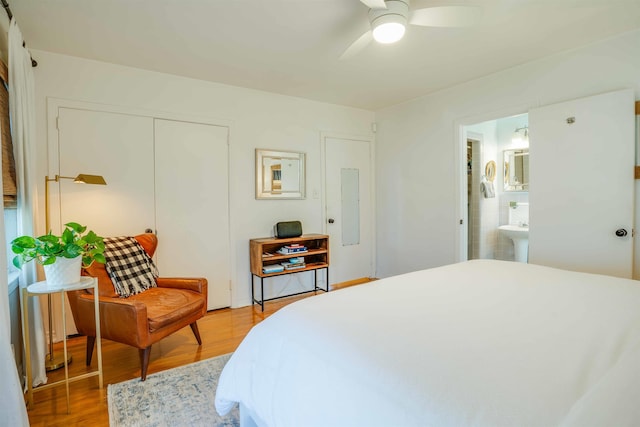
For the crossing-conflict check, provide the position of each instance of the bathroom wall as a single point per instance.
(504, 130)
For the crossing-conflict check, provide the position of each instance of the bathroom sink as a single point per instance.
(515, 231)
(520, 237)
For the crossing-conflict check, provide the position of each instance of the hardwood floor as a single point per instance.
(221, 331)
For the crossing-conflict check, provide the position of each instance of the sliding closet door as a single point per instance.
(582, 159)
(192, 204)
(120, 148)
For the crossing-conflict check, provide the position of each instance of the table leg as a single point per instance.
(96, 296)
(64, 343)
(262, 293)
(27, 345)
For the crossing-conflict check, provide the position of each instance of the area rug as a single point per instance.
(181, 396)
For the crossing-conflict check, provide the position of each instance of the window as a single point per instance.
(9, 189)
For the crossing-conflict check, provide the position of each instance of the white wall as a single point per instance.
(258, 120)
(417, 146)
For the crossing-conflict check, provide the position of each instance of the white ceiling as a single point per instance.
(292, 47)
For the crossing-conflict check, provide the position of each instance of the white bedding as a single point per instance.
(480, 343)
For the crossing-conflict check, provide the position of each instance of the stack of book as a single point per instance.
(293, 264)
(293, 248)
(275, 268)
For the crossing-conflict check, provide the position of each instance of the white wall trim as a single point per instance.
(55, 103)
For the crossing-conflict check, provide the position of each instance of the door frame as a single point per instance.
(52, 159)
(460, 155)
(478, 140)
(370, 139)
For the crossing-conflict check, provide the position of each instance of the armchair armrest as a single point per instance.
(197, 284)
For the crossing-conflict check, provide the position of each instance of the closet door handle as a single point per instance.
(621, 232)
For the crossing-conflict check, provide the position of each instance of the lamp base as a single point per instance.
(55, 362)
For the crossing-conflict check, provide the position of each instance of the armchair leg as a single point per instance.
(196, 332)
(144, 361)
(91, 343)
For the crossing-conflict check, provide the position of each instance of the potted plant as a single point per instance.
(61, 256)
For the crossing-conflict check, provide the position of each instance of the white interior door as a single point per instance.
(581, 172)
(120, 148)
(192, 204)
(349, 208)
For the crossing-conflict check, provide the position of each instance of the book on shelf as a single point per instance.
(291, 266)
(285, 250)
(296, 260)
(295, 247)
(275, 268)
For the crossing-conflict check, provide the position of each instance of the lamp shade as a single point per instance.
(521, 136)
(89, 179)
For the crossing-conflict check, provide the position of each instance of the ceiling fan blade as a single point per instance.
(446, 16)
(374, 4)
(358, 45)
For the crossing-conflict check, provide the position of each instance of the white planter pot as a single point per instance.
(63, 272)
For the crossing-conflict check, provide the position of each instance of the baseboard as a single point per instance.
(353, 282)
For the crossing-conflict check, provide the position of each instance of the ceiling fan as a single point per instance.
(388, 19)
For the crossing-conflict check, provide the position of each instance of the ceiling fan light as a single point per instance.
(388, 25)
(389, 32)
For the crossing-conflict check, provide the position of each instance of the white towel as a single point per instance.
(486, 188)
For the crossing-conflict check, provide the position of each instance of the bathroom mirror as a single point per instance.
(516, 170)
(280, 174)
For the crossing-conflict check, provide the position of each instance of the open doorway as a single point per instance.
(474, 160)
(490, 201)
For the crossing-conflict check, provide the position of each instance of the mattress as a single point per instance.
(479, 343)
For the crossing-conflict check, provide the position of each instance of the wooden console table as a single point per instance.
(264, 253)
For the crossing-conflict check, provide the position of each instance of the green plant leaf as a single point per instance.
(24, 242)
(92, 237)
(72, 250)
(67, 236)
(49, 238)
(17, 261)
(76, 227)
(50, 260)
(45, 249)
(17, 249)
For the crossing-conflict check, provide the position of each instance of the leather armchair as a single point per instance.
(142, 319)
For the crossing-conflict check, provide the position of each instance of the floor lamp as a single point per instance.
(52, 363)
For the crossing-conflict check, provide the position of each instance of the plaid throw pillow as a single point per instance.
(129, 266)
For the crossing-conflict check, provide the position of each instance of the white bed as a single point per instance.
(480, 343)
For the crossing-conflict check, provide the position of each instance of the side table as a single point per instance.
(41, 288)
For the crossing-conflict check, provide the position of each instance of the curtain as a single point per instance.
(10, 190)
(13, 411)
(12, 407)
(22, 112)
